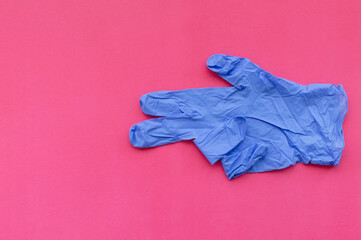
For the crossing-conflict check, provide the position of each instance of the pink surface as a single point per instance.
(71, 74)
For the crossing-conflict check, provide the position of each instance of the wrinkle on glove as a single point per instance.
(263, 123)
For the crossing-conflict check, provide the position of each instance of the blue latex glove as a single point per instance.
(263, 123)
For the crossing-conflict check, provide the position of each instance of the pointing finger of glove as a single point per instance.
(168, 103)
(161, 131)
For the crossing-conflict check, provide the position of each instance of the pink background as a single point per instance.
(71, 74)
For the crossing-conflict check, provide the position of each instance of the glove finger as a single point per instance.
(161, 131)
(219, 141)
(169, 103)
(233, 69)
(237, 164)
(241, 73)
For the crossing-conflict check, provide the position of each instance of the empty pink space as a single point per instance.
(72, 73)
